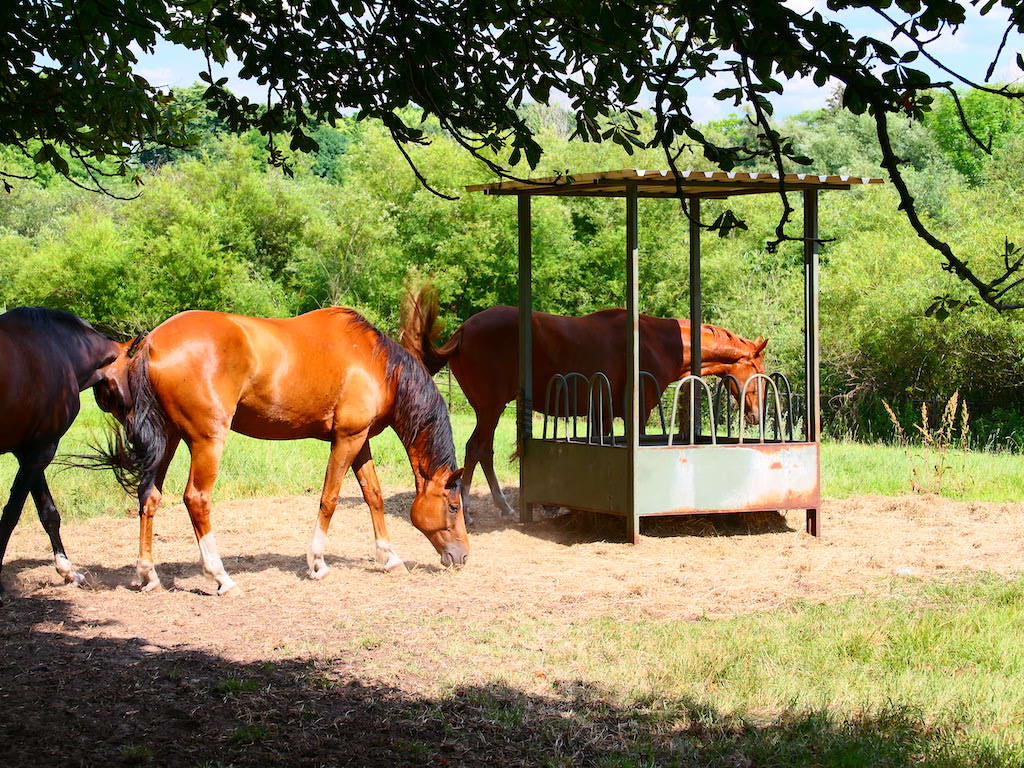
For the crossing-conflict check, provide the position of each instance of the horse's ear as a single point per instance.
(760, 344)
(454, 478)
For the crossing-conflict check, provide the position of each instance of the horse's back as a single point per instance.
(275, 378)
(38, 391)
(486, 363)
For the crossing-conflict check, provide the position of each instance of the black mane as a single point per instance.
(44, 318)
(419, 406)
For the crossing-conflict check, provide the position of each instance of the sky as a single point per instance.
(969, 52)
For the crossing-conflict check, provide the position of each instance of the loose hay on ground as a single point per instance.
(709, 566)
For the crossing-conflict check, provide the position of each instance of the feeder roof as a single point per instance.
(706, 184)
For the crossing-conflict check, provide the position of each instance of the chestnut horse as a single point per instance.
(327, 374)
(484, 356)
(48, 357)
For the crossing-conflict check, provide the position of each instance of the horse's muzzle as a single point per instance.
(453, 555)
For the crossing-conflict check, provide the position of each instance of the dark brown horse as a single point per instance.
(484, 356)
(48, 357)
(328, 375)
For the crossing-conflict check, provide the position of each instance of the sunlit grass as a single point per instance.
(273, 468)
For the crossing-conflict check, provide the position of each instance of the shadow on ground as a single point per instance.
(101, 578)
(565, 526)
(72, 700)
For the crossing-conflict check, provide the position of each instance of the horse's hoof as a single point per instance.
(319, 574)
(153, 586)
(75, 578)
(230, 590)
(398, 569)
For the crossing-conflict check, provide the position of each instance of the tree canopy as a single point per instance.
(68, 86)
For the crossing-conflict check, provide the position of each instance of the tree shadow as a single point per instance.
(104, 578)
(74, 700)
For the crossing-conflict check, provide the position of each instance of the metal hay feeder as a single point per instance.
(704, 473)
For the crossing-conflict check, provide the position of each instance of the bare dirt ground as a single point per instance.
(360, 668)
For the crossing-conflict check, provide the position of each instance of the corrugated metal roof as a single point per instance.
(654, 183)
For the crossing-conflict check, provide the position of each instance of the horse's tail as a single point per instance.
(134, 448)
(419, 328)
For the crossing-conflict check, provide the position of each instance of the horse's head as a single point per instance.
(741, 371)
(111, 388)
(437, 513)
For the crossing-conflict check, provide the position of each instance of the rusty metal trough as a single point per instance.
(639, 473)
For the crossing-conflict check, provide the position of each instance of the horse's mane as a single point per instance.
(46, 319)
(419, 406)
(726, 337)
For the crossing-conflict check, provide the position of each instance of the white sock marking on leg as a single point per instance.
(315, 558)
(387, 556)
(67, 570)
(212, 564)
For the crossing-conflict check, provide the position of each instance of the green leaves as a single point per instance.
(943, 307)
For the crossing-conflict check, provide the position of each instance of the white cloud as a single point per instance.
(161, 77)
(704, 108)
(802, 6)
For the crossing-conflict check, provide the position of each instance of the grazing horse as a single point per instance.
(483, 353)
(327, 374)
(48, 357)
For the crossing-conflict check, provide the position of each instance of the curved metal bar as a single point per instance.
(675, 407)
(719, 389)
(661, 407)
(777, 377)
(574, 402)
(560, 385)
(547, 404)
(561, 401)
(603, 385)
(778, 407)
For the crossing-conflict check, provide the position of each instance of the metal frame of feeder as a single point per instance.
(635, 477)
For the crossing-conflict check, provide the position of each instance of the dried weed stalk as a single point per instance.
(932, 460)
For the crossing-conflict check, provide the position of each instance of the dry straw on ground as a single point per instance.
(710, 566)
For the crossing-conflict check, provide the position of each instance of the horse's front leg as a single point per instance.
(202, 475)
(366, 474)
(343, 451)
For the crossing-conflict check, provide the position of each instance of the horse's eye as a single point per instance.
(453, 509)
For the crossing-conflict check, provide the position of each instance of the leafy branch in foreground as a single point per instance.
(67, 79)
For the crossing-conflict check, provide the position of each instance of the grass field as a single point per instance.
(268, 468)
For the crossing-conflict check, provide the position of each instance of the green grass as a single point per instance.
(924, 675)
(850, 469)
(249, 467)
(273, 468)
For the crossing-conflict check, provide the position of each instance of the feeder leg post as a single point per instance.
(696, 316)
(524, 421)
(812, 382)
(812, 522)
(633, 383)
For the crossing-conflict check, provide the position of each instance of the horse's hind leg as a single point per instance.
(343, 451)
(366, 474)
(480, 449)
(202, 475)
(469, 467)
(50, 518)
(487, 463)
(150, 494)
(12, 510)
